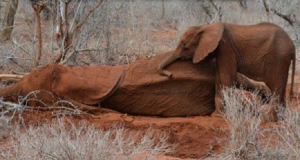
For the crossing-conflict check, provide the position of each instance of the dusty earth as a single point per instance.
(196, 137)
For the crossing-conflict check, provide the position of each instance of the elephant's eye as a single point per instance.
(183, 44)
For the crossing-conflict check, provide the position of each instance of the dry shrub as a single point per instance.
(249, 138)
(60, 140)
(4, 127)
(288, 135)
(242, 113)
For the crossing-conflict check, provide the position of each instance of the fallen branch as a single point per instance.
(56, 110)
(20, 73)
(7, 76)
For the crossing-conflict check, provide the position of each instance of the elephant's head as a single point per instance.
(197, 43)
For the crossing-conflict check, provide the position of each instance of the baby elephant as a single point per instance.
(262, 52)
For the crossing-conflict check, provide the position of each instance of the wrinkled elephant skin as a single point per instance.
(145, 92)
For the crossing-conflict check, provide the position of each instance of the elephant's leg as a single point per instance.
(218, 105)
(279, 102)
(218, 96)
(243, 81)
(252, 84)
(87, 108)
(225, 76)
(277, 81)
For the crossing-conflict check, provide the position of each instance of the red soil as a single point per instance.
(196, 137)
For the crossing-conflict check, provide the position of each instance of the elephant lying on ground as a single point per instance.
(135, 88)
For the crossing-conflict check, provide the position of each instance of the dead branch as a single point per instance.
(266, 6)
(19, 73)
(276, 12)
(285, 17)
(218, 9)
(6, 76)
(77, 51)
(69, 33)
(206, 10)
(80, 23)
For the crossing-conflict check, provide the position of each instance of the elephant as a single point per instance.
(261, 52)
(134, 88)
(74, 84)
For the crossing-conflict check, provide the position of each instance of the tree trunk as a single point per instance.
(163, 9)
(38, 9)
(8, 20)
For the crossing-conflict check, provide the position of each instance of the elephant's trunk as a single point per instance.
(170, 59)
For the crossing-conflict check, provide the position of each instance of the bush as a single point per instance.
(249, 138)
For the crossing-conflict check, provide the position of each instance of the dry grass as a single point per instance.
(62, 140)
(249, 138)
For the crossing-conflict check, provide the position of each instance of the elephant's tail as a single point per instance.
(293, 75)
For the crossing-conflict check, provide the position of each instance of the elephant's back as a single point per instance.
(145, 92)
(260, 48)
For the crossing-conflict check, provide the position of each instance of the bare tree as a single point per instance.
(8, 20)
(65, 30)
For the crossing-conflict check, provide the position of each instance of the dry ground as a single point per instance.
(194, 137)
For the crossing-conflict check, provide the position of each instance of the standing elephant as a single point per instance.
(262, 52)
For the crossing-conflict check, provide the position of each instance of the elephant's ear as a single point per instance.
(210, 35)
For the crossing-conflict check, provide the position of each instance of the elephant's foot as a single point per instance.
(89, 109)
(166, 73)
(216, 114)
(218, 106)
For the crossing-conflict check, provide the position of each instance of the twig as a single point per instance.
(266, 6)
(285, 17)
(87, 15)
